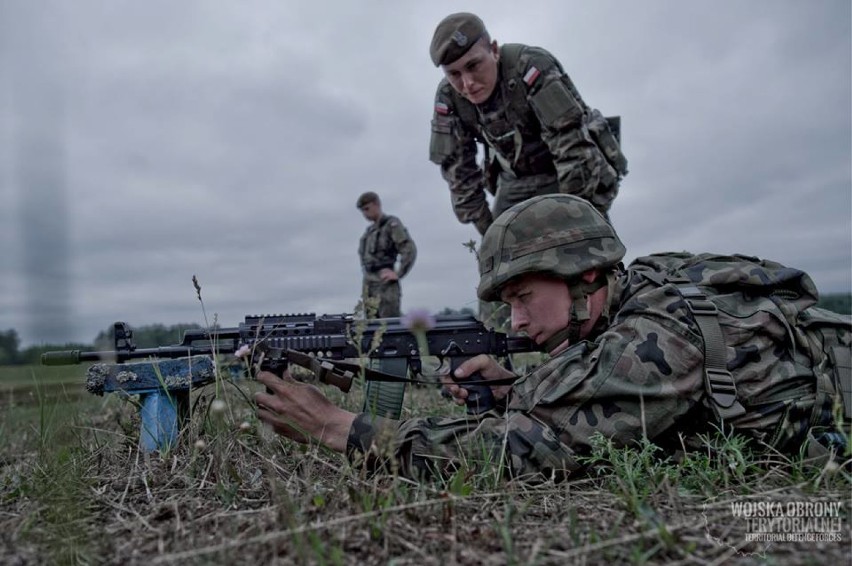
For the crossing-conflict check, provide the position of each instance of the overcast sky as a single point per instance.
(142, 143)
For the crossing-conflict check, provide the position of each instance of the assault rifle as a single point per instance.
(321, 344)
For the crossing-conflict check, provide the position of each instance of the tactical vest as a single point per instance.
(527, 158)
(377, 249)
(740, 285)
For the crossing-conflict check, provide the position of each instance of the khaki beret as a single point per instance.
(454, 36)
(367, 198)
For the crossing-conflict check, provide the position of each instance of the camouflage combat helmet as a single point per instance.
(562, 235)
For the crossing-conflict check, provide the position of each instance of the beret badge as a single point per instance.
(460, 38)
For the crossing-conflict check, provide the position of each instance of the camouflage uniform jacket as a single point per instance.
(382, 242)
(540, 145)
(643, 372)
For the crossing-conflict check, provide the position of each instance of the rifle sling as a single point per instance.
(341, 374)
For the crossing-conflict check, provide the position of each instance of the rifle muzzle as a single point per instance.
(61, 358)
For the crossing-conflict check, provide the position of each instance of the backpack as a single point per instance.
(739, 285)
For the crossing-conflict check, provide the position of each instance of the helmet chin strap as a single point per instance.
(579, 313)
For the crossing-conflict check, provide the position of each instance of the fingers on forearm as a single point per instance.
(281, 426)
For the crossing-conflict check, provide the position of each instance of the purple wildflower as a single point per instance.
(418, 320)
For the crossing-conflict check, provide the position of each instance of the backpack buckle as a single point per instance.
(702, 307)
(723, 391)
(721, 386)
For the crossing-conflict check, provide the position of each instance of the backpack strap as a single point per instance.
(466, 111)
(718, 381)
(513, 75)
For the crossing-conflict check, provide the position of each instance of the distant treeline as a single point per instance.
(837, 302)
(155, 335)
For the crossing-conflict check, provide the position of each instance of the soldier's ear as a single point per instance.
(495, 49)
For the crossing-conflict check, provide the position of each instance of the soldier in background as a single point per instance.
(538, 135)
(672, 349)
(385, 240)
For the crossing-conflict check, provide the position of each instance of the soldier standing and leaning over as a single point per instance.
(385, 240)
(538, 134)
(673, 348)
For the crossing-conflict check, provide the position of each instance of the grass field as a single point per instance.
(75, 489)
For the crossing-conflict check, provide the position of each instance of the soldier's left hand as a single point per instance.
(388, 275)
(301, 412)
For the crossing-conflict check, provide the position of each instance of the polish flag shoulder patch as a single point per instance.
(531, 76)
(442, 108)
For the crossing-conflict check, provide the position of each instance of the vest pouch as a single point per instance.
(443, 142)
(556, 106)
(606, 140)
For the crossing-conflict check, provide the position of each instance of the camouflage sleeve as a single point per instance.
(405, 246)
(362, 242)
(514, 443)
(626, 384)
(639, 378)
(581, 167)
(453, 147)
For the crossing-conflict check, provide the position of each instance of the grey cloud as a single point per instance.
(231, 143)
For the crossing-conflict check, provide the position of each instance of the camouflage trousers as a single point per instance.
(381, 299)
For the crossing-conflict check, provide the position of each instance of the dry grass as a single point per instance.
(74, 489)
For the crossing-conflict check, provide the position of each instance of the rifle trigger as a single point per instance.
(452, 349)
